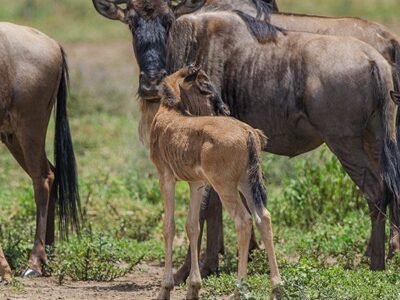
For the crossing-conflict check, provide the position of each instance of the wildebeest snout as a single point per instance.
(150, 82)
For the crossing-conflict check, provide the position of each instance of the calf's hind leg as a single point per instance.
(264, 225)
(234, 206)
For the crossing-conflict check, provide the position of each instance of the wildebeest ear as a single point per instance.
(168, 98)
(395, 97)
(110, 9)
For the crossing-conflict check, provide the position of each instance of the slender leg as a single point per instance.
(215, 235)
(193, 230)
(211, 213)
(5, 271)
(236, 209)
(358, 164)
(265, 228)
(50, 228)
(167, 187)
(31, 156)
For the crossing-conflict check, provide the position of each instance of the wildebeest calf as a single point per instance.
(5, 271)
(202, 150)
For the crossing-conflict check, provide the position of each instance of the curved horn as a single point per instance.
(110, 9)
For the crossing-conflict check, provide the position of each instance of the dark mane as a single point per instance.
(264, 8)
(262, 31)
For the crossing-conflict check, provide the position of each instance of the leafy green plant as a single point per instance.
(92, 257)
(319, 191)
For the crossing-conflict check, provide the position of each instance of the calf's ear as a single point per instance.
(110, 9)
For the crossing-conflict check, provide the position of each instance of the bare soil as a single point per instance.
(141, 284)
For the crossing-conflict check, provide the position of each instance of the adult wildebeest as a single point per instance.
(301, 89)
(33, 73)
(189, 144)
(376, 35)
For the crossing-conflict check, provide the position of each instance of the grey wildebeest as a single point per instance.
(33, 73)
(301, 89)
(376, 35)
(194, 148)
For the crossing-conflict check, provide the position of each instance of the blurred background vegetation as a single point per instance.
(320, 218)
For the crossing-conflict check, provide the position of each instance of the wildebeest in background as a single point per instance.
(33, 73)
(5, 271)
(376, 35)
(256, 8)
(184, 146)
(301, 89)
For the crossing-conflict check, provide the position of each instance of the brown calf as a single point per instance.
(198, 149)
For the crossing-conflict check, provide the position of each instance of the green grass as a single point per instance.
(321, 222)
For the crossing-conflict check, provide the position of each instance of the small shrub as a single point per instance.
(92, 257)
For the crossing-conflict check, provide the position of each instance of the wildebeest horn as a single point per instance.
(110, 9)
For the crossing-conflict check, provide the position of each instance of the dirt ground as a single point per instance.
(142, 284)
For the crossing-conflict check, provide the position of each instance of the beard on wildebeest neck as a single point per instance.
(149, 42)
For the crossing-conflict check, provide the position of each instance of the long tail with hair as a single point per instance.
(254, 172)
(390, 151)
(66, 181)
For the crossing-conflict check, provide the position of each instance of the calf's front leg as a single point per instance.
(167, 187)
(193, 231)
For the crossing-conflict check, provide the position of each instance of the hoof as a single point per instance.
(206, 271)
(181, 275)
(31, 273)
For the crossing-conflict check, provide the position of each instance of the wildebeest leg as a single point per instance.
(182, 274)
(265, 228)
(210, 212)
(243, 223)
(30, 142)
(5, 271)
(50, 228)
(15, 149)
(167, 187)
(358, 164)
(193, 231)
(215, 235)
(394, 243)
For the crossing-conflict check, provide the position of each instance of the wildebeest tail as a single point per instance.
(66, 179)
(254, 172)
(390, 151)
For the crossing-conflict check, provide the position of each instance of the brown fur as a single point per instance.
(33, 74)
(199, 150)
